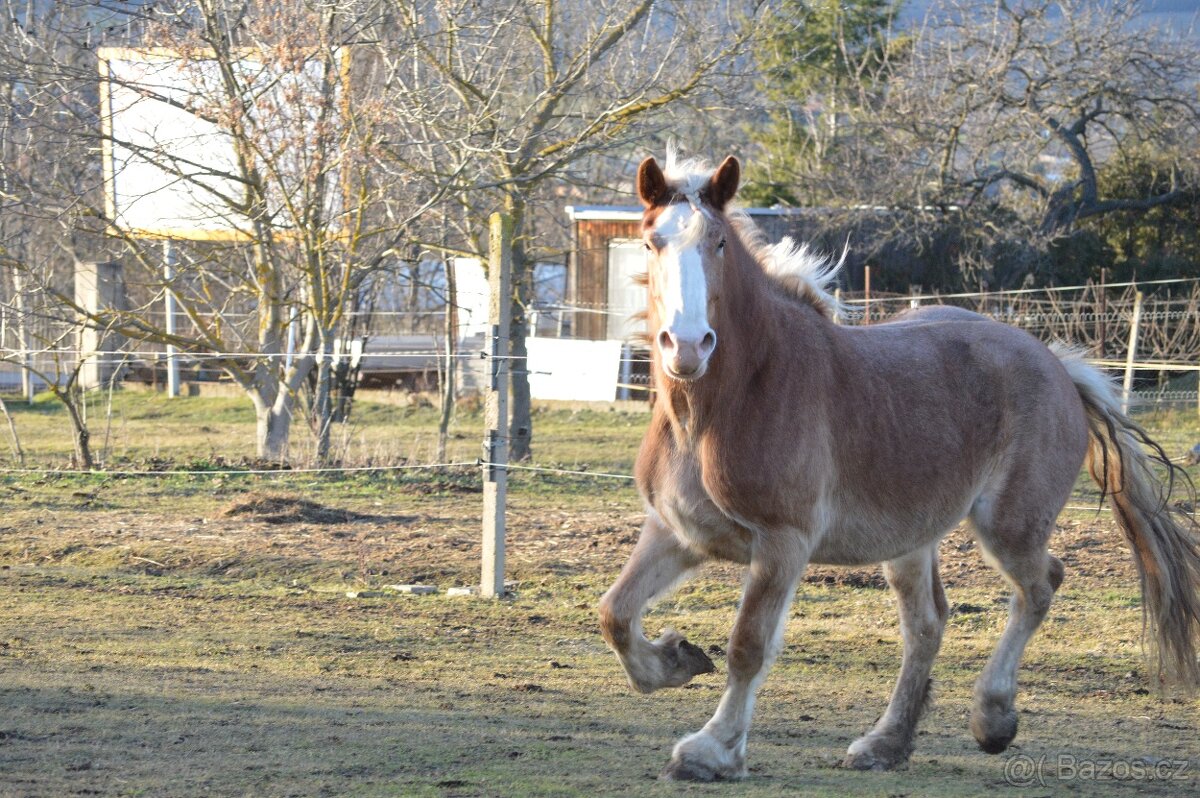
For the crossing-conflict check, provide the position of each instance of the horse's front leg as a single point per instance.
(657, 562)
(718, 751)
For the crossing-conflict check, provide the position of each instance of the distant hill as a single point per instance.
(1181, 16)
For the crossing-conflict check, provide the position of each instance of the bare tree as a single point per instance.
(60, 369)
(505, 98)
(1041, 94)
(336, 157)
(303, 216)
(43, 171)
(1021, 106)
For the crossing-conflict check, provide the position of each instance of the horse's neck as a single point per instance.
(759, 337)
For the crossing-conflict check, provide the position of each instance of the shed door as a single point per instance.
(626, 260)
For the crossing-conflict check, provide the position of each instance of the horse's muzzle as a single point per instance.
(685, 355)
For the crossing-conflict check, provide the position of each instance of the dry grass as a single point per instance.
(192, 636)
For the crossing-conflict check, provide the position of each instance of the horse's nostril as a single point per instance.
(665, 340)
(709, 342)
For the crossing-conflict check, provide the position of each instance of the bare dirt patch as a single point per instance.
(280, 508)
(436, 539)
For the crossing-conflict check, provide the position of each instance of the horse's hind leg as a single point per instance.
(658, 561)
(1019, 552)
(923, 610)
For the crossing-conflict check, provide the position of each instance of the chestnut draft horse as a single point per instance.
(780, 438)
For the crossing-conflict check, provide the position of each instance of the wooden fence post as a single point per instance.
(495, 442)
(1131, 353)
(99, 288)
(866, 294)
(27, 385)
(169, 259)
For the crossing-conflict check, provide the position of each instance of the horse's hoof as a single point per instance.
(681, 660)
(691, 659)
(863, 760)
(687, 769)
(875, 754)
(670, 661)
(868, 761)
(994, 727)
(701, 757)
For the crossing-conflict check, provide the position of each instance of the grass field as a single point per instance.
(192, 635)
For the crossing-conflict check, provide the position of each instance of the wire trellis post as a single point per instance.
(495, 441)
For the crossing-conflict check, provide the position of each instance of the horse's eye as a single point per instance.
(721, 245)
(647, 246)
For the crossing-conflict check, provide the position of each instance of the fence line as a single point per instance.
(98, 472)
(1021, 291)
(177, 472)
(126, 356)
(1169, 336)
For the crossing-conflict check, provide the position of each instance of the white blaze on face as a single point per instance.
(686, 339)
(684, 289)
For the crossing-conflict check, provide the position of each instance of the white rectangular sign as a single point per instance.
(569, 369)
(171, 168)
(473, 293)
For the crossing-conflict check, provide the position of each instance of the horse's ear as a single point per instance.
(651, 182)
(724, 182)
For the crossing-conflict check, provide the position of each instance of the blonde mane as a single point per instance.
(687, 176)
(794, 268)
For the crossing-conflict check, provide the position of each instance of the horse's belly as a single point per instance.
(848, 529)
(855, 537)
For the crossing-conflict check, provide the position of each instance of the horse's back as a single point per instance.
(934, 313)
(962, 345)
(947, 405)
(978, 371)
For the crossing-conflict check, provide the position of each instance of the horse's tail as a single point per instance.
(1161, 537)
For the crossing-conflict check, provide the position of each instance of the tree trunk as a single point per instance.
(521, 425)
(12, 429)
(449, 370)
(520, 433)
(81, 435)
(414, 292)
(323, 403)
(274, 399)
(272, 431)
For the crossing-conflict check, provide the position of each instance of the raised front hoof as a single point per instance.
(877, 753)
(702, 758)
(678, 663)
(683, 657)
(994, 728)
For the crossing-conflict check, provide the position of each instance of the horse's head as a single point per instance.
(685, 232)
